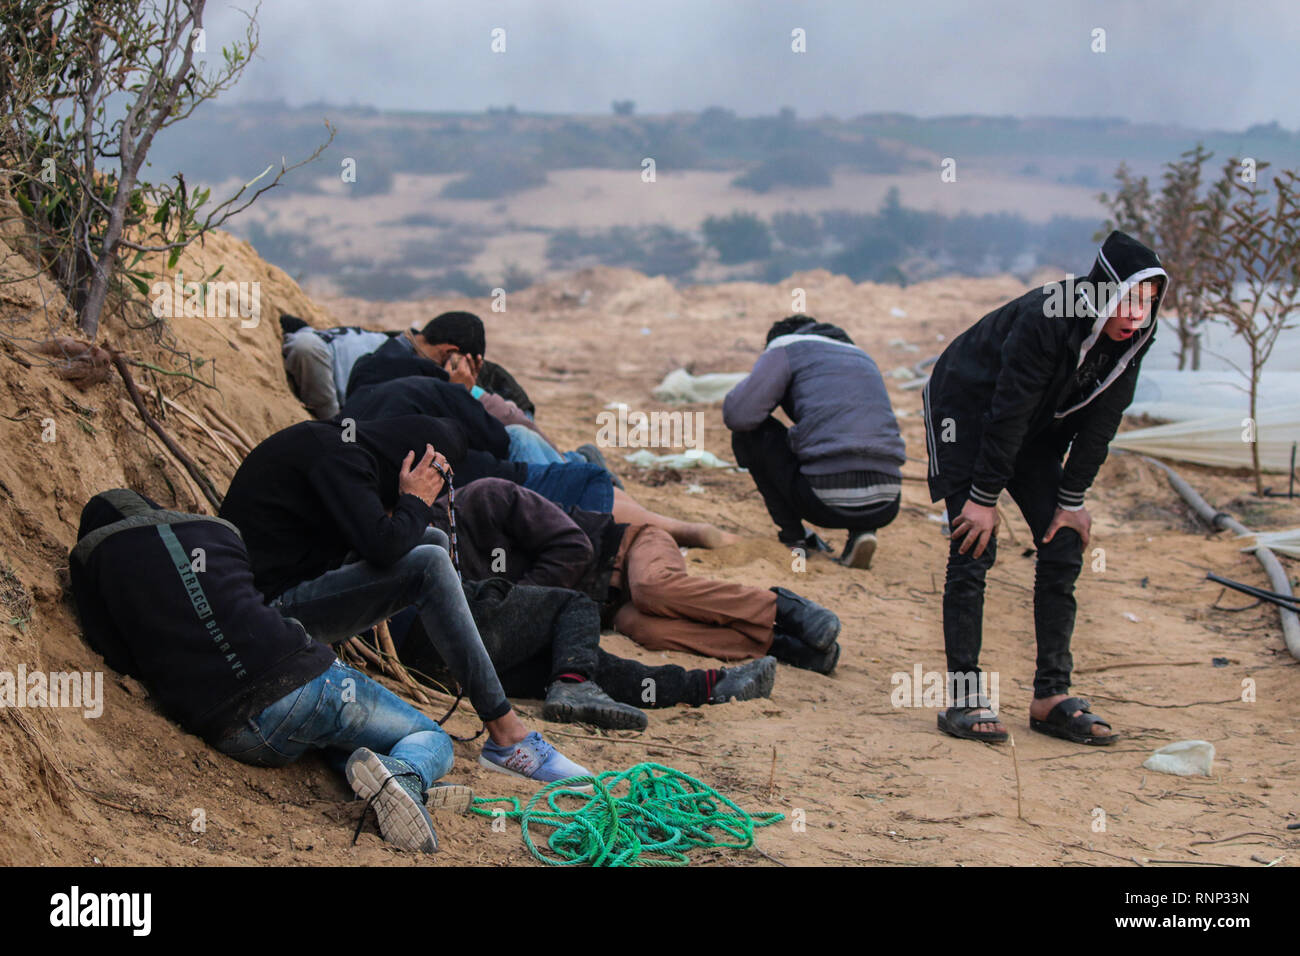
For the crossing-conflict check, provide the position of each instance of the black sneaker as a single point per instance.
(792, 651)
(745, 681)
(586, 703)
(810, 542)
(807, 620)
(593, 455)
(859, 550)
(396, 793)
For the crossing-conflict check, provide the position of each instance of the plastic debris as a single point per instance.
(897, 313)
(680, 385)
(691, 458)
(1186, 758)
(1130, 616)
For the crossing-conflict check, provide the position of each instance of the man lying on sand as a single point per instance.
(337, 528)
(1048, 372)
(840, 466)
(637, 575)
(545, 644)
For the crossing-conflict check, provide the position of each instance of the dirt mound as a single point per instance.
(871, 781)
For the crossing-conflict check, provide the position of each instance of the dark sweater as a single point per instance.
(306, 497)
(506, 531)
(416, 395)
(201, 640)
(396, 358)
(1007, 383)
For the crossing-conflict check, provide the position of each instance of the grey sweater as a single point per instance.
(836, 397)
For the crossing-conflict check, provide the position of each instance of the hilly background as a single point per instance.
(404, 205)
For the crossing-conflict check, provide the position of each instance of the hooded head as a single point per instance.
(389, 440)
(452, 332)
(1124, 270)
(806, 325)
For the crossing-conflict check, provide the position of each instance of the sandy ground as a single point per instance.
(868, 782)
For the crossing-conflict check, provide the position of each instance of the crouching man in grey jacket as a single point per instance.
(840, 464)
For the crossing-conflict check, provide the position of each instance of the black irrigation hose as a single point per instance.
(1281, 600)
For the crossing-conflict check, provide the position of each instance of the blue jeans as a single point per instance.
(356, 596)
(573, 484)
(338, 712)
(529, 447)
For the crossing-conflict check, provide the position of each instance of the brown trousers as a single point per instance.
(670, 610)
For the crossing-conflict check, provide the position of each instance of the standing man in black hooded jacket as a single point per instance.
(1048, 373)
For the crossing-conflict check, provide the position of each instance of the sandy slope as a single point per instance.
(874, 783)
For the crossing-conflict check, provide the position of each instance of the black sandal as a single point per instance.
(1060, 723)
(958, 720)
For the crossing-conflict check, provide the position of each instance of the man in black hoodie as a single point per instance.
(1048, 372)
(336, 520)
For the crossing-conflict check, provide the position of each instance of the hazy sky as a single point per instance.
(1195, 63)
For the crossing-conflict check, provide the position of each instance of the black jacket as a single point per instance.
(1000, 386)
(309, 495)
(396, 358)
(168, 598)
(418, 395)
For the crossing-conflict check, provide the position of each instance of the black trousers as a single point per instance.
(536, 634)
(1033, 488)
(790, 500)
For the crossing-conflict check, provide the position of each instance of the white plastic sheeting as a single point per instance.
(1219, 440)
(681, 386)
(1181, 396)
(1283, 542)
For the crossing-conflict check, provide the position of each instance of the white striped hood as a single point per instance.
(1122, 263)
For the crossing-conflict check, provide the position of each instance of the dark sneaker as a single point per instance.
(807, 620)
(593, 455)
(859, 550)
(746, 681)
(810, 542)
(792, 651)
(395, 791)
(586, 703)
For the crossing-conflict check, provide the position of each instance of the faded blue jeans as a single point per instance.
(356, 596)
(338, 712)
(528, 446)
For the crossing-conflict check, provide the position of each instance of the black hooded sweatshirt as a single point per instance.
(312, 493)
(1022, 375)
(418, 395)
(168, 598)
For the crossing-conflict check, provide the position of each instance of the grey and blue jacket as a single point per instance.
(835, 396)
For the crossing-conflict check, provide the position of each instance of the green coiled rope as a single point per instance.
(656, 818)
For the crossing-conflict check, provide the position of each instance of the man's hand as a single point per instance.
(977, 525)
(423, 479)
(463, 369)
(1079, 520)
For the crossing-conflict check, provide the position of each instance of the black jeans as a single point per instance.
(535, 634)
(1033, 487)
(790, 500)
(353, 598)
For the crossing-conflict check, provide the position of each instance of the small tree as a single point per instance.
(1252, 271)
(68, 68)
